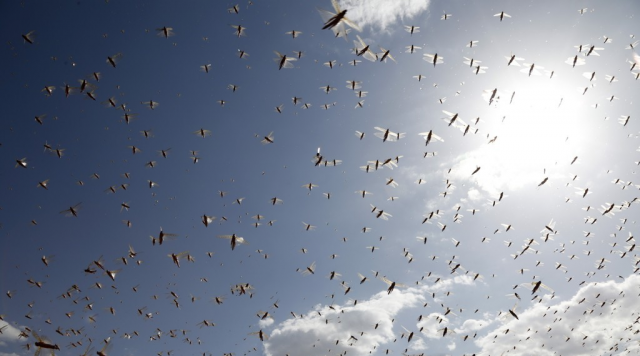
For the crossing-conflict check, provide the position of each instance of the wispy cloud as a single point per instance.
(418, 345)
(382, 13)
(8, 354)
(472, 325)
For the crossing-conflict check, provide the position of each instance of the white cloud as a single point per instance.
(313, 335)
(602, 323)
(9, 332)
(451, 346)
(318, 330)
(446, 284)
(471, 325)
(265, 323)
(432, 324)
(474, 194)
(418, 345)
(382, 13)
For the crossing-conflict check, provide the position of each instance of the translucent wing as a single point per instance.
(336, 6)
(385, 280)
(287, 62)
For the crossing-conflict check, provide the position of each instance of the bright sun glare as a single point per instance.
(536, 132)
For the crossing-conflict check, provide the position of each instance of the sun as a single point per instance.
(530, 135)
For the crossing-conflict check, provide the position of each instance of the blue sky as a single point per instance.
(535, 148)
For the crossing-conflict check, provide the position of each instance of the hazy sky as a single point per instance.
(123, 119)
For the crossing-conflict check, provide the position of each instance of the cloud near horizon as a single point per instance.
(331, 328)
(601, 318)
(9, 333)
